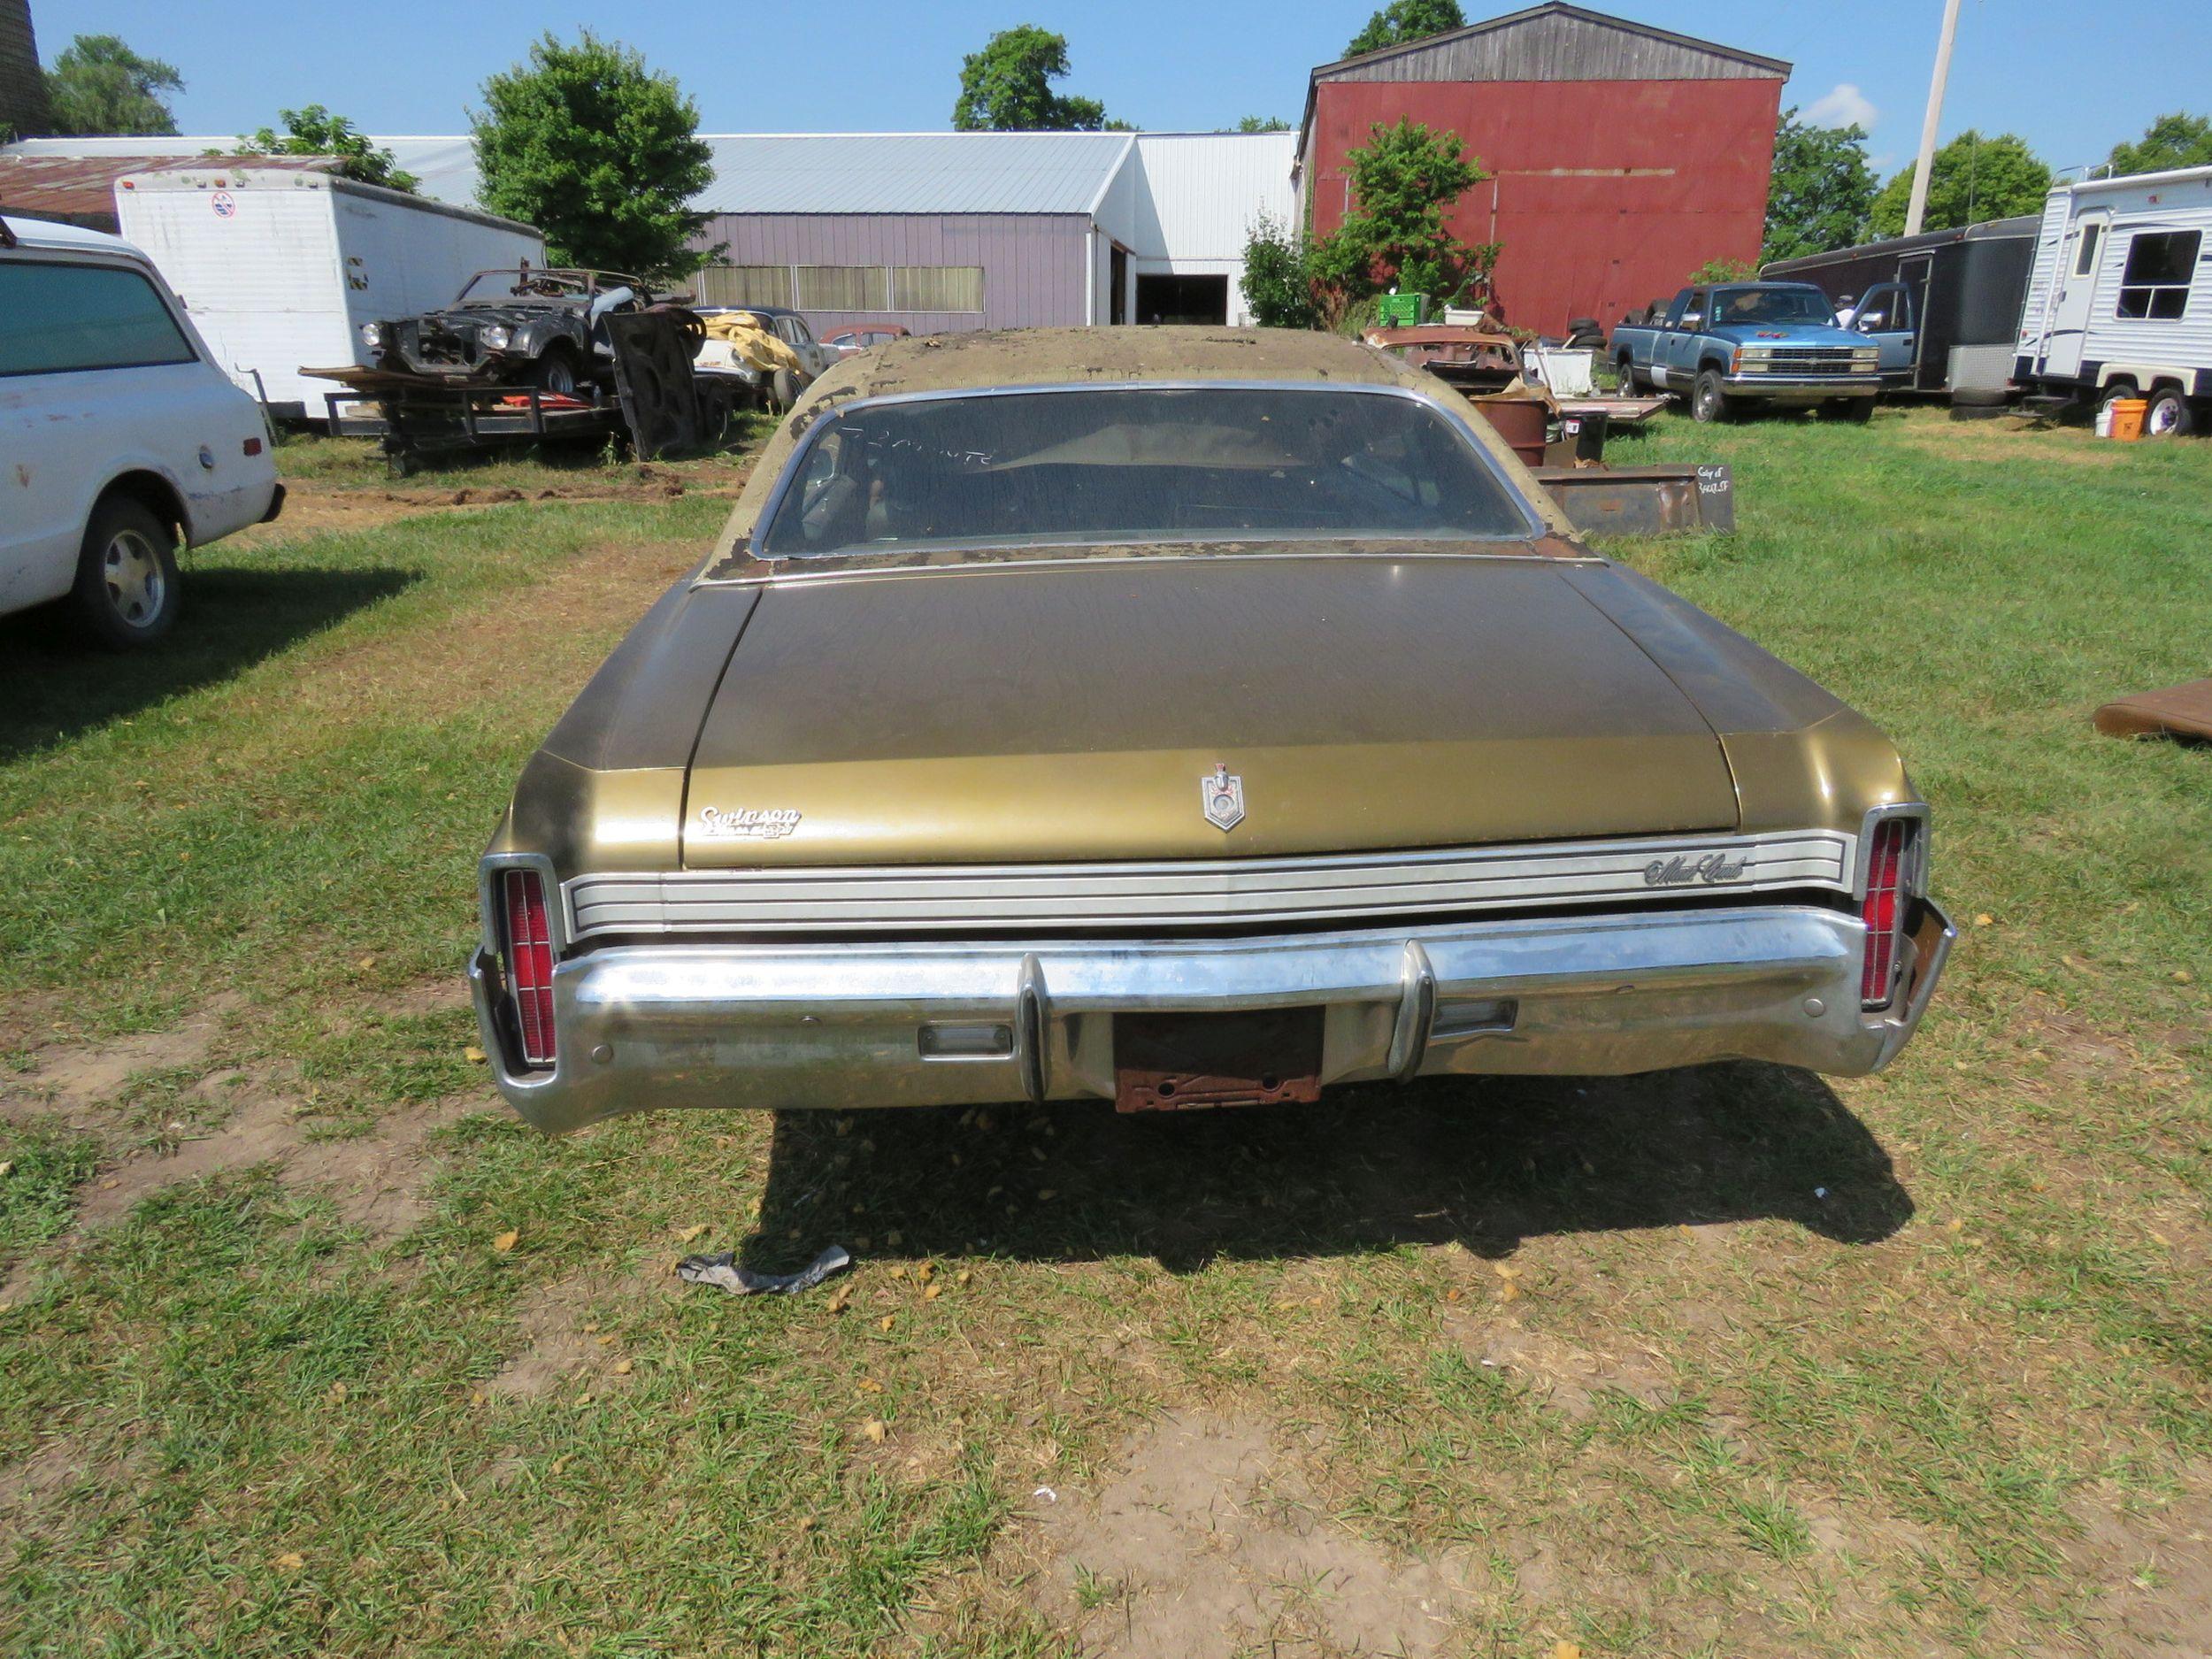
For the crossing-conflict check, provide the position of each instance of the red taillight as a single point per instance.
(253, 446)
(530, 963)
(1883, 910)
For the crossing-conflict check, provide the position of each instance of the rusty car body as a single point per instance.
(1179, 716)
(536, 326)
(1469, 357)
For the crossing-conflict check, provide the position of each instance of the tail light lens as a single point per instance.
(529, 962)
(1883, 910)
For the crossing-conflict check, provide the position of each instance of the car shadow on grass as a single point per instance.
(1486, 1162)
(53, 684)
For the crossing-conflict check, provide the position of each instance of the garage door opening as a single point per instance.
(1182, 299)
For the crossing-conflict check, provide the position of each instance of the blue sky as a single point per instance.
(2071, 79)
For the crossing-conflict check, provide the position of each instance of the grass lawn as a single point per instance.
(308, 1347)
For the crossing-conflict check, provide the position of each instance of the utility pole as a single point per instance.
(1919, 208)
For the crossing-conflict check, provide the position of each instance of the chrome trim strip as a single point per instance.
(794, 465)
(1194, 893)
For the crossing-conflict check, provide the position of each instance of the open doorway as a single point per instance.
(1182, 299)
(1118, 284)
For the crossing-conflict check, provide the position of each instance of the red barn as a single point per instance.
(1622, 157)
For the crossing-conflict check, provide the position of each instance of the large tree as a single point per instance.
(1403, 20)
(1973, 178)
(1404, 180)
(1006, 88)
(1822, 189)
(100, 86)
(2171, 141)
(598, 151)
(315, 131)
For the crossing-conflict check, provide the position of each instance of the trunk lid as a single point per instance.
(1012, 714)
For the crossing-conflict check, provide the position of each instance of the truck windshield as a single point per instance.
(1771, 305)
(1138, 464)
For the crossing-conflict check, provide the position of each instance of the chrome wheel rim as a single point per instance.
(131, 574)
(2165, 415)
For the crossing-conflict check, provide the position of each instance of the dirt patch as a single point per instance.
(1210, 1544)
(567, 1334)
(69, 1078)
(313, 507)
(2153, 1568)
(1563, 1376)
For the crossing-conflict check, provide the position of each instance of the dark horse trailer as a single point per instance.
(1945, 307)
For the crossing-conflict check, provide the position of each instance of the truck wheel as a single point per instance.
(1709, 399)
(127, 594)
(1628, 378)
(1857, 411)
(2169, 415)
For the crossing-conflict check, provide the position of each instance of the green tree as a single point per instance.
(315, 131)
(1262, 124)
(1277, 285)
(1973, 178)
(1404, 179)
(1006, 88)
(100, 86)
(598, 151)
(1403, 20)
(1721, 271)
(2171, 141)
(1822, 189)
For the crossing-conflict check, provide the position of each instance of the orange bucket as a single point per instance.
(2127, 418)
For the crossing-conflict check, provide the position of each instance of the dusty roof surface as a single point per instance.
(1051, 357)
(79, 187)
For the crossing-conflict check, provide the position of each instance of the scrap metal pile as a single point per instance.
(536, 354)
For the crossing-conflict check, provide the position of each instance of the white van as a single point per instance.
(121, 442)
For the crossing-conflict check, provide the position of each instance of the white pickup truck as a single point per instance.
(120, 441)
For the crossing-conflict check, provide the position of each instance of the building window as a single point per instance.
(745, 285)
(2155, 284)
(841, 288)
(941, 288)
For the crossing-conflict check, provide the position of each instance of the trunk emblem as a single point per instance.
(1223, 796)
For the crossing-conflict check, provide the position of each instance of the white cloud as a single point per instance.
(1845, 106)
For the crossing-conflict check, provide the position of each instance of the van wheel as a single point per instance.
(127, 594)
(2169, 415)
(1709, 399)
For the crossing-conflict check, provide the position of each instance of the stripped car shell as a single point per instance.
(926, 819)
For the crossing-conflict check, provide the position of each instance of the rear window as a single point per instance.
(56, 318)
(1138, 464)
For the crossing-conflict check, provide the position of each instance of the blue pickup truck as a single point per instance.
(1729, 345)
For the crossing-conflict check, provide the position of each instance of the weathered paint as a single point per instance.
(1036, 266)
(1605, 194)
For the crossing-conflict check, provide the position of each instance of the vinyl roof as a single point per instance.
(912, 172)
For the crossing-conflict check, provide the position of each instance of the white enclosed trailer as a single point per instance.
(2119, 301)
(279, 269)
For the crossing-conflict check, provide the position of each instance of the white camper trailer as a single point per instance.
(279, 269)
(2119, 302)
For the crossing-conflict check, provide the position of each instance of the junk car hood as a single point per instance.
(1072, 711)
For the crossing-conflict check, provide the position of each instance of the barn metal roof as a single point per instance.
(912, 172)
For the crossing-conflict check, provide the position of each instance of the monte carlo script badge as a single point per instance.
(1224, 796)
(760, 824)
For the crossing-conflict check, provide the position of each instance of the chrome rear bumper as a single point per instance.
(933, 1024)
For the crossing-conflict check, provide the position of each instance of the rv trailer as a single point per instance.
(1944, 307)
(2119, 302)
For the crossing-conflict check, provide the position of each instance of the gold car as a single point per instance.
(1182, 718)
